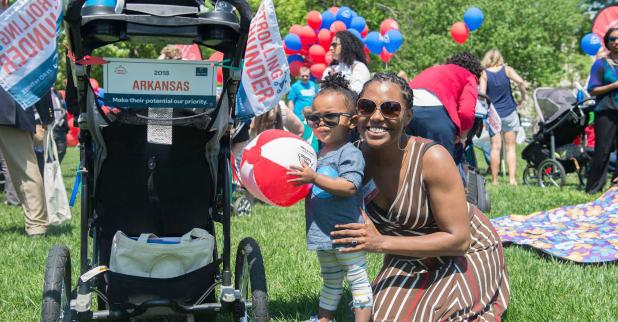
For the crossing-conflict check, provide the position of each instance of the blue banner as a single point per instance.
(28, 49)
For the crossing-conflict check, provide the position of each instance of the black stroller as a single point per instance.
(132, 185)
(551, 155)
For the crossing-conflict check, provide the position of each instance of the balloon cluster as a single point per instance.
(309, 45)
(473, 19)
(590, 43)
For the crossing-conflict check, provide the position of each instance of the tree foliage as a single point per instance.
(540, 38)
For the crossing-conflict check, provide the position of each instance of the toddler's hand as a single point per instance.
(304, 174)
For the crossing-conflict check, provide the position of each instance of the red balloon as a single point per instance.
(334, 10)
(338, 26)
(365, 31)
(72, 139)
(74, 131)
(317, 52)
(220, 76)
(385, 56)
(459, 32)
(314, 19)
(296, 29)
(218, 57)
(94, 84)
(317, 70)
(388, 24)
(295, 68)
(307, 36)
(325, 37)
(328, 57)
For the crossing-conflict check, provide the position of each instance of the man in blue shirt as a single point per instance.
(301, 93)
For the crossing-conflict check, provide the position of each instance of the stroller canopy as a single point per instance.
(550, 103)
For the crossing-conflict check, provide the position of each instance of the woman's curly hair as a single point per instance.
(467, 61)
(336, 82)
(351, 49)
(406, 91)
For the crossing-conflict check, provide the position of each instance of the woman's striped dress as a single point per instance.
(470, 287)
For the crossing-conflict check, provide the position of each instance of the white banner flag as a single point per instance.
(28, 57)
(266, 73)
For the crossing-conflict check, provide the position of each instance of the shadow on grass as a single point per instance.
(303, 306)
(65, 229)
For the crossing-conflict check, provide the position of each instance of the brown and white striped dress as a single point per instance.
(472, 287)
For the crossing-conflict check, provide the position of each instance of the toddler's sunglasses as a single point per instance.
(389, 109)
(329, 119)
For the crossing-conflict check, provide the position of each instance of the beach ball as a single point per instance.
(266, 161)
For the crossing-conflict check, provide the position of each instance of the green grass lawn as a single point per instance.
(542, 289)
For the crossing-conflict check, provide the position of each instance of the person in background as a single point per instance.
(302, 93)
(61, 125)
(170, 52)
(348, 59)
(17, 126)
(444, 103)
(496, 83)
(10, 195)
(603, 84)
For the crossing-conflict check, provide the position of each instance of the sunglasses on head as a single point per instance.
(329, 119)
(388, 109)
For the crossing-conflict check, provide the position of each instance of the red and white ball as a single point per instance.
(265, 163)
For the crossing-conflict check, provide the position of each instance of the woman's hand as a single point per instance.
(362, 237)
(304, 174)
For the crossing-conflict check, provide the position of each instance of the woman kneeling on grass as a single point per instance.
(443, 259)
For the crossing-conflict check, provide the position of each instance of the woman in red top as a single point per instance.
(444, 102)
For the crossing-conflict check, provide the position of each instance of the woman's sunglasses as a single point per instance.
(389, 109)
(329, 119)
(610, 39)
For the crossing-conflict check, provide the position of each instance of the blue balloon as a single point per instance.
(344, 15)
(590, 44)
(374, 42)
(327, 19)
(357, 34)
(393, 39)
(101, 92)
(292, 42)
(473, 18)
(293, 58)
(329, 172)
(358, 23)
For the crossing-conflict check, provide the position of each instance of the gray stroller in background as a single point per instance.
(551, 154)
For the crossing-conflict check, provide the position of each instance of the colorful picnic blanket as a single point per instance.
(584, 233)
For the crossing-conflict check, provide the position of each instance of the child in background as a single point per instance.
(335, 197)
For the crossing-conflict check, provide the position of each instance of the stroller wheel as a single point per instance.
(530, 176)
(551, 173)
(57, 286)
(242, 206)
(250, 280)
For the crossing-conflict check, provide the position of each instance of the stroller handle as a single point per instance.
(73, 12)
